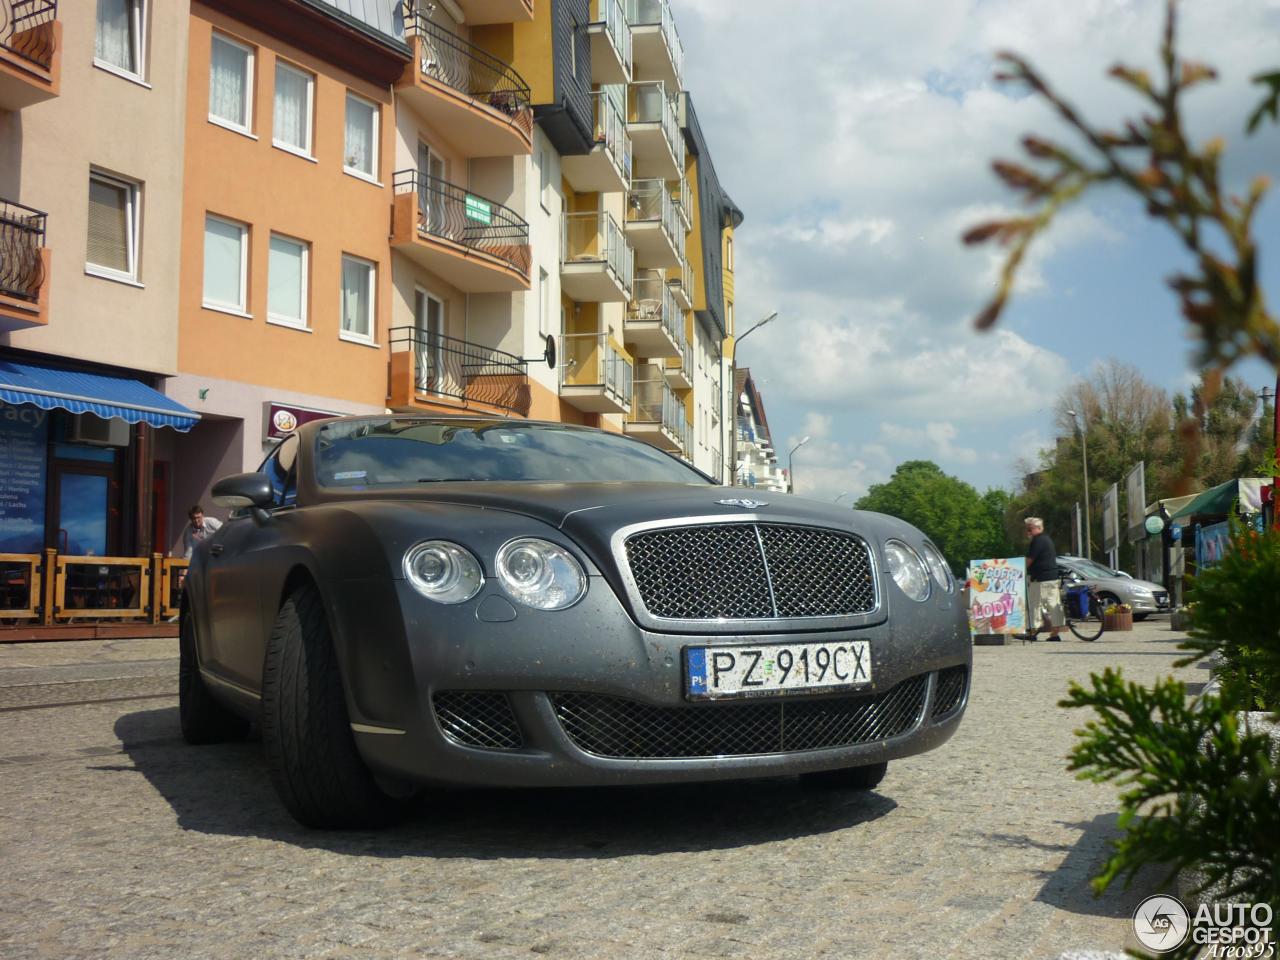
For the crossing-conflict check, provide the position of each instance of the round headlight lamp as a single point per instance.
(937, 565)
(443, 571)
(907, 569)
(540, 574)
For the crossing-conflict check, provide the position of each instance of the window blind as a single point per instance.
(109, 225)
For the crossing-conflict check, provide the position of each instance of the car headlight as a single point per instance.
(907, 569)
(937, 566)
(540, 574)
(1141, 591)
(443, 571)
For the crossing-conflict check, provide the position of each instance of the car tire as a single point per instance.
(850, 778)
(306, 731)
(1139, 617)
(203, 719)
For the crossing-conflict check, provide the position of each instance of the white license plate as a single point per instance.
(773, 668)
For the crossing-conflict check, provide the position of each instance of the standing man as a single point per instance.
(198, 530)
(1044, 593)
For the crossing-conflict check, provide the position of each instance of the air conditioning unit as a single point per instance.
(86, 428)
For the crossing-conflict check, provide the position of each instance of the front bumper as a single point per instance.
(479, 653)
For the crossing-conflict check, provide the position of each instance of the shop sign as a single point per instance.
(24, 447)
(997, 596)
(284, 418)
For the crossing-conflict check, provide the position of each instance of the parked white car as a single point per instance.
(1115, 586)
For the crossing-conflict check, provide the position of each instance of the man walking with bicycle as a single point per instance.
(1044, 592)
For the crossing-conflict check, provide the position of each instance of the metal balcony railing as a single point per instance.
(22, 232)
(650, 104)
(650, 200)
(680, 196)
(448, 367)
(686, 358)
(611, 128)
(467, 68)
(618, 29)
(590, 360)
(596, 237)
(446, 210)
(26, 29)
(643, 13)
(686, 281)
(652, 299)
(655, 402)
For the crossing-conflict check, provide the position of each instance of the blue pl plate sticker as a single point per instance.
(697, 670)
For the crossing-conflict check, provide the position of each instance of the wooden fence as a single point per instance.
(54, 588)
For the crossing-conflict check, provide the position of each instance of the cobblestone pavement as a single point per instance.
(117, 839)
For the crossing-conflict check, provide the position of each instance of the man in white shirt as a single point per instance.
(200, 528)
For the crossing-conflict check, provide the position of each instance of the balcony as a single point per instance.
(656, 143)
(610, 42)
(684, 203)
(24, 268)
(652, 323)
(30, 52)
(679, 372)
(480, 12)
(476, 244)
(433, 371)
(607, 168)
(656, 48)
(596, 377)
(478, 102)
(682, 285)
(653, 226)
(657, 415)
(597, 264)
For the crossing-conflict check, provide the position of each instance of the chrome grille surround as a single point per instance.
(744, 571)
(614, 727)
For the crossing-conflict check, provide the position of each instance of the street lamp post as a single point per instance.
(791, 469)
(733, 411)
(1084, 459)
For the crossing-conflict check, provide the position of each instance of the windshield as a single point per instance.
(1090, 568)
(398, 451)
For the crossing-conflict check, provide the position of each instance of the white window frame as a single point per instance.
(241, 309)
(308, 152)
(365, 339)
(247, 129)
(304, 294)
(377, 147)
(428, 298)
(139, 13)
(544, 179)
(133, 219)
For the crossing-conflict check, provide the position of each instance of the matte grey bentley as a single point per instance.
(407, 601)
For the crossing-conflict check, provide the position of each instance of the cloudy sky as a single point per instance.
(857, 137)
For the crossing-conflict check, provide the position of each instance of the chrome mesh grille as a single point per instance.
(951, 683)
(477, 719)
(614, 727)
(748, 571)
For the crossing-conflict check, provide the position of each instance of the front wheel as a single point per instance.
(1086, 629)
(851, 778)
(306, 731)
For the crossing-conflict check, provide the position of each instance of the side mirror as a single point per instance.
(244, 490)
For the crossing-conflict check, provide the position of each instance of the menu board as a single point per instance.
(997, 596)
(24, 446)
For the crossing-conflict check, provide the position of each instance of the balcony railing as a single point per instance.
(680, 195)
(651, 200)
(652, 299)
(686, 283)
(650, 104)
(655, 402)
(26, 29)
(686, 358)
(461, 370)
(451, 213)
(22, 231)
(462, 65)
(643, 13)
(611, 128)
(618, 29)
(597, 238)
(592, 361)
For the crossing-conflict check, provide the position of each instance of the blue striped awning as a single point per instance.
(103, 396)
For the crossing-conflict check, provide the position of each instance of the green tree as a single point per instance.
(1233, 442)
(964, 524)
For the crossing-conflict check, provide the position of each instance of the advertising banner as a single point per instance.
(284, 418)
(1212, 543)
(24, 449)
(997, 596)
(1111, 520)
(1135, 502)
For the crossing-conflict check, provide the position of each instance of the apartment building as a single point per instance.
(91, 191)
(756, 459)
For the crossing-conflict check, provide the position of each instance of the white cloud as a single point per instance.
(934, 441)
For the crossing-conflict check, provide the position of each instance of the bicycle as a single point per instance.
(1083, 614)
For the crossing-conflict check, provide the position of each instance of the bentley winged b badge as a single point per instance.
(744, 504)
